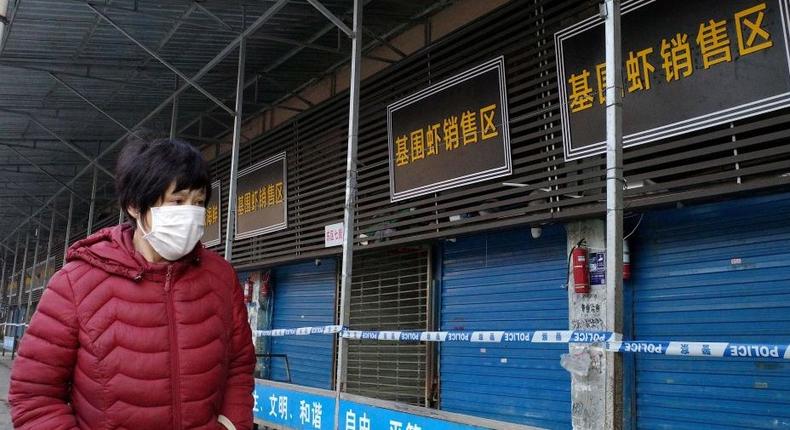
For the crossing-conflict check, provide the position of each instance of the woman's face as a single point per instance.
(177, 198)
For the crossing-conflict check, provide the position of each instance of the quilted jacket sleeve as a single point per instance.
(43, 369)
(238, 401)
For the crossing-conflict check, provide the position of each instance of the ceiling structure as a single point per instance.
(77, 75)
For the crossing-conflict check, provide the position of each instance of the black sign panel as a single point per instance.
(450, 134)
(262, 196)
(213, 233)
(687, 65)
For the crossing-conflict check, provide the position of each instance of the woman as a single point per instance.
(143, 328)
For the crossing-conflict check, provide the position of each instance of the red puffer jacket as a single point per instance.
(120, 343)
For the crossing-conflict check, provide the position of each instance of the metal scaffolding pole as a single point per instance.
(93, 202)
(234, 163)
(6, 296)
(32, 277)
(351, 197)
(2, 283)
(49, 247)
(68, 229)
(614, 208)
(174, 118)
(22, 273)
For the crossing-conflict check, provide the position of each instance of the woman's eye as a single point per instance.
(178, 201)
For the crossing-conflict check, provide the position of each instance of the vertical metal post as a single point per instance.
(49, 246)
(2, 281)
(32, 276)
(614, 209)
(93, 201)
(174, 115)
(120, 216)
(234, 163)
(68, 229)
(351, 197)
(7, 296)
(22, 275)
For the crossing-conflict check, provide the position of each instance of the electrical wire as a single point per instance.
(635, 227)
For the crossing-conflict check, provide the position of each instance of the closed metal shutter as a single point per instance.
(389, 292)
(304, 296)
(715, 272)
(506, 281)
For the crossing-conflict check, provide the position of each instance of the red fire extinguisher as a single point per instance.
(626, 261)
(248, 287)
(581, 269)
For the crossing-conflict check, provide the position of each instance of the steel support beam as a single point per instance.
(234, 163)
(42, 170)
(92, 209)
(164, 62)
(213, 16)
(68, 144)
(88, 101)
(174, 118)
(32, 277)
(6, 297)
(49, 244)
(3, 306)
(257, 24)
(279, 62)
(330, 16)
(68, 228)
(7, 23)
(24, 269)
(350, 206)
(614, 209)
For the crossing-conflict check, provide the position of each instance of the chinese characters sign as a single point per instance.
(315, 410)
(333, 235)
(451, 134)
(212, 235)
(687, 65)
(261, 198)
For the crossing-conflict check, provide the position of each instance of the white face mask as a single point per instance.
(175, 230)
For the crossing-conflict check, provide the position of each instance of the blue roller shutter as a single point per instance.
(713, 272)
(506, 281)
(304, 296)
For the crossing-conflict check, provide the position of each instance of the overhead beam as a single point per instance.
(295, 43)
(45, 172)
(90, 103)
(331, 17)
(68, 144)
(214, 17)
(164, 62)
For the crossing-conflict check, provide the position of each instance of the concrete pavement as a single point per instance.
(5, 376)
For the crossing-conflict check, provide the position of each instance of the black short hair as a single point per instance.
(147, 166)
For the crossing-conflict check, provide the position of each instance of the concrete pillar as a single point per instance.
(590, 394)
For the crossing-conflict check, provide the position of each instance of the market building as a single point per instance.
(480, 131)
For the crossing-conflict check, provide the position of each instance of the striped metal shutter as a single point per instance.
(506, 281)
(714, 272)
(304, 296)
(389, 292)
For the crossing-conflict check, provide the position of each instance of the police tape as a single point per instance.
(543, 336)
(611, 341)
(702, 349)
(302, 331)
(14, 324)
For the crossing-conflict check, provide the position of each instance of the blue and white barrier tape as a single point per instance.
(302, 331)
(551, 336)
(702, 349)
(612, 341)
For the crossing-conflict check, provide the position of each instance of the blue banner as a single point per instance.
(298, 410)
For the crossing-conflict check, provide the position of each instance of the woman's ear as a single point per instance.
(133, 212)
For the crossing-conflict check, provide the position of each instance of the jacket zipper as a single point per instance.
(174, 363)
